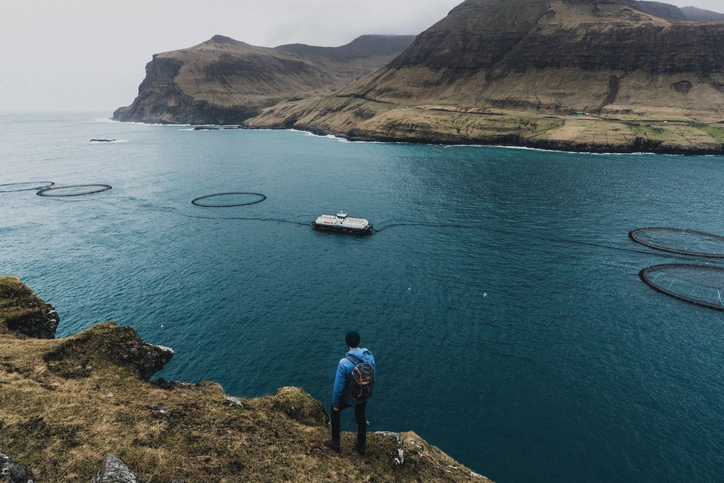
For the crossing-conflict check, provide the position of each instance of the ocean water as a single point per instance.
(500, 296)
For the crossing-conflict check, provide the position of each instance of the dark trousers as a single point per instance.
(359, 416)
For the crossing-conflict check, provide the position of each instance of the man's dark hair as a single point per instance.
(352, 339)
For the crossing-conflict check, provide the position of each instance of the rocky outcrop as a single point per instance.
(11, 472)
(114, 471)
(77, 356)
(23, 312)
(300, 406)
(223, 81)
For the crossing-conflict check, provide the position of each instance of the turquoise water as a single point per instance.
(500, 296)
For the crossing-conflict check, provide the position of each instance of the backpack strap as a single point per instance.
(345, 392)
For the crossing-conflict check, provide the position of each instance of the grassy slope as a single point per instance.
(261, 73)
(657, 130)
(59, 417)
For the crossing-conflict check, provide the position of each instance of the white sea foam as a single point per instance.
(108, 120)
(542, 150)
(139, 123)
(164, 348)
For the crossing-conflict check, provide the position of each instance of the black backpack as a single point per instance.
(361, 381)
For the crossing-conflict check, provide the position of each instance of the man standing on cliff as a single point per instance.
(353, 386)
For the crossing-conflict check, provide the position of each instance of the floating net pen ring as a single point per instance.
(716, 242)
(200, 200)
(26, 186)
(697, 284)
(73, 190)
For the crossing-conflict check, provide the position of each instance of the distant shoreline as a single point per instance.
(516, 141)
(634, 136)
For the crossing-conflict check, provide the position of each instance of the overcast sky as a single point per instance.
(91, 54)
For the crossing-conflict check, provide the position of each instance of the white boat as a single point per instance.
(343, 224)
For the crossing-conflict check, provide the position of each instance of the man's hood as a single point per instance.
(361, 354)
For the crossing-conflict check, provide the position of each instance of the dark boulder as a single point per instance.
(11, 472)
(682, 87)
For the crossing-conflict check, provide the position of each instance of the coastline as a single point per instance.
(357, 119)
(517, 142)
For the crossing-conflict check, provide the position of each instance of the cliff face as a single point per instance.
(524, 60)
(65, 404)
(223, 81)
(21, 311)
(488, 50)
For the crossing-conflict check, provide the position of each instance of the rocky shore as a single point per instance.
(83, 408)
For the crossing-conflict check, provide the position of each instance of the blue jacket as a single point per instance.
(344, 367)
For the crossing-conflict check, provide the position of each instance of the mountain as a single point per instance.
(698, 15)
(658, 9)
(224, 81)
(593, 75)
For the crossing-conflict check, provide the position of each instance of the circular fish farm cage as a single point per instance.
(25, 186)
(680, 241)
(73, 190)
(700, 285)
(228, 200)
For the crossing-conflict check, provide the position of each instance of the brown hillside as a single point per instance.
(595, 75)
(223, 81)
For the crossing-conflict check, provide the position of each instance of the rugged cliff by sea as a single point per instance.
(577, 75)
(83, 408)
(224, 81)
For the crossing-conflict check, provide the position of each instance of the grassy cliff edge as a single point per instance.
(66, 403)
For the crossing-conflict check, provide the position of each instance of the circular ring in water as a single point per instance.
(73, 190)
(680, 241)
(198, 201)
(700, 285)
(27, 186)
